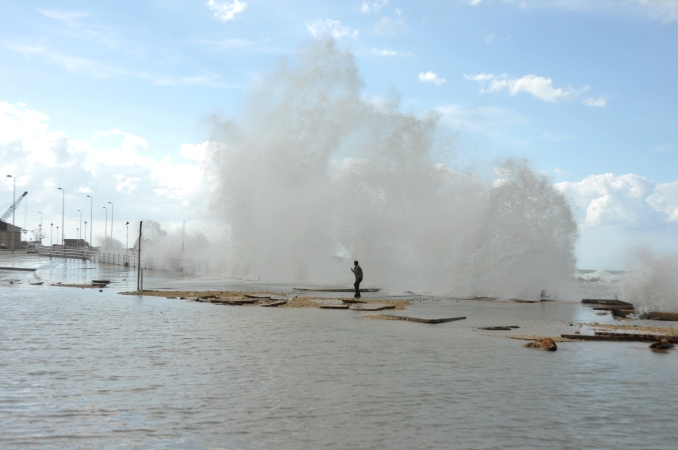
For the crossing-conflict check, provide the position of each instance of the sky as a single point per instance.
(115, 99)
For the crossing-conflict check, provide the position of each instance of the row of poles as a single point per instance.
(63, 210)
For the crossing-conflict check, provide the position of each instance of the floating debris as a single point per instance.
(274, 304)
(371, 307)
(416, 319)
(504, 328)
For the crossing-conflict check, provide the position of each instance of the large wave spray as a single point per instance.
(651, 282)
(314, 172)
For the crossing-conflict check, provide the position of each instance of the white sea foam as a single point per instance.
(314, 176)
(652, 282)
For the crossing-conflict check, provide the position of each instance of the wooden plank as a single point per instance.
(371, 307)
(505, 328)
(664, 316)
(609, 302)
(621, 337)
(21, 269)
(431, 321)
(258, 296)
(334, 306)
(273, 304)
(336, 289)
(238, 301)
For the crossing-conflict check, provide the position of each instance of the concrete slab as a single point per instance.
(370, 306)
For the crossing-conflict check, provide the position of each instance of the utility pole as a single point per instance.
(126, 244)
(80, 229)
(91, 223)
(13, 207)
(63, 205)
(139, 287)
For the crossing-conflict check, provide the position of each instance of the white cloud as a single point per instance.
(372, 7)
(227, 10)
(330, 27)
(600, 101)
(540, 87)
(665, 199)
(474, 2)
(43, 160)
(431, 77)
(388, 52)
(489, 38)
(628, 199)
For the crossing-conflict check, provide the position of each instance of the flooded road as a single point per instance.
(81, 368)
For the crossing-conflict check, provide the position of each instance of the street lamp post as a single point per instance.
(111, 220)
(126, 244)
(13, 206)
(51, 230)
(86, 230)
(106, 225)
(79, 229)
(91, 224)
(63, 206)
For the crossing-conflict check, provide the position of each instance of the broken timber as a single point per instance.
(336, 289)
(240, 301)
(606, 302)
(505, 328)
(334, 306)
(624, 337)
(370, 307)
(664, 316)
(273, 304)
(431, 321)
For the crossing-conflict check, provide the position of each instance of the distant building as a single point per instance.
(10, 234)
(76, 243)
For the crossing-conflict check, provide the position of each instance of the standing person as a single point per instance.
(358, 272)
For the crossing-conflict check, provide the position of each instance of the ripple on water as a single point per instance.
(83, 369)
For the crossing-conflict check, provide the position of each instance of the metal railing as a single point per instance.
(175, 265)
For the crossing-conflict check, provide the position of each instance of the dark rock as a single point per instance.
(664, 344)
(543, 344)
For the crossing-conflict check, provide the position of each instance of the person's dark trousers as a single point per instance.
(356, 285)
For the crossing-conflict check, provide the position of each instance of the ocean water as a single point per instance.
(86, 369)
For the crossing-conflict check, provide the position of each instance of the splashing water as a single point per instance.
(315, 176)
(651, 282)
